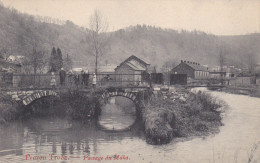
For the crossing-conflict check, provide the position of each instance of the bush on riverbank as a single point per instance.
(8, 109)
(158, 122)
(165, 118)
(200, 115)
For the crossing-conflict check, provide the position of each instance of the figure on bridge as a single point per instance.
(70, 78)
(53, 80)
(94, 81)
(62, 77)
(85, 77)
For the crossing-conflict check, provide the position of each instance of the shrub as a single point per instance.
(199, 115)
(8, 109)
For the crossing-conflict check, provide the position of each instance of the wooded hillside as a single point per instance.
(19, 32)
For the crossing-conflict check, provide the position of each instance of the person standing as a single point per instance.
(62, 77)
(70, 78)
(85, 77)
(53, 80)
(77, 80)
(94, 81)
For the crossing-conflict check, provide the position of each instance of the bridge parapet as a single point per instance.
(26, 97)
(130, 95)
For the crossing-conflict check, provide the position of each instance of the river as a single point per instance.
(44, 136)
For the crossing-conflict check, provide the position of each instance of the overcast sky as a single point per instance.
(221, 17)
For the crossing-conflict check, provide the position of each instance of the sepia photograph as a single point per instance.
(130, 81)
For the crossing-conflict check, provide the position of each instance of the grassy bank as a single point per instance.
(164, 118)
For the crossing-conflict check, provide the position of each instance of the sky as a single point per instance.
(220, 17)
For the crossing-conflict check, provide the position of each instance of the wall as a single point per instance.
(201, 75)
(125, 79)
(242, 81)
(258, 81)
(182, 68)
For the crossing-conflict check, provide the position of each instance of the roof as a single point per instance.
(9, 62)
(135, 66)
(103, 68)
(135, 58)
(245, 74)
(135, 63)
(197, 67)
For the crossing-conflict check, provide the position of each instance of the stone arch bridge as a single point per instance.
(27, 97)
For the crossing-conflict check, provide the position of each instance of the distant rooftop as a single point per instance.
(135, 63)
(195, 66)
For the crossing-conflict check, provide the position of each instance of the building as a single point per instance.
(244, 79)
(225, 72)
(192, 69)
(131, 71)
(8, 66)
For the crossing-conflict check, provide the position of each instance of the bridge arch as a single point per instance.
(37, 95)
(129, 95)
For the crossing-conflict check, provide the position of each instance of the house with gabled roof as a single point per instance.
(192, 69)
(130, 70)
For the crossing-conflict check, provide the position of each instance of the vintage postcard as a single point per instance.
(152, 81)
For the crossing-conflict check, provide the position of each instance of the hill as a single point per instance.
(19, 33)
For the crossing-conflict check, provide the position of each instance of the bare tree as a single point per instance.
(35, 62)
(67, 63)
(98, 38)
(251, 62)
(222, 61)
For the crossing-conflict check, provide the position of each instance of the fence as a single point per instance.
(6, 79)
(12, 80)
(240, 81)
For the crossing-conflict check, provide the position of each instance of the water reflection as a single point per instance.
(118, 114)
(56, 136)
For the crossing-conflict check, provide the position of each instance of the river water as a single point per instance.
(59, 137)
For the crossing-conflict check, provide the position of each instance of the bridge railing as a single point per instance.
(15, 80)
(122, 80)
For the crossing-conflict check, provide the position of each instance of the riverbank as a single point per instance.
(194, 114)
(251, 90)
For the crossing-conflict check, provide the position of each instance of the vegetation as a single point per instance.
(148, 42)
(97, 39)
(8, 109)
(56, 61)
(164, 118)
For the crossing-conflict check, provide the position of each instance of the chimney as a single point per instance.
(181, 61)
(184, 61)
(194, 63)
(188, 62)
